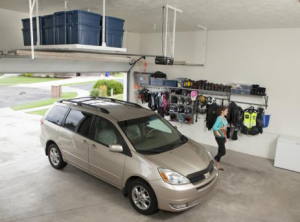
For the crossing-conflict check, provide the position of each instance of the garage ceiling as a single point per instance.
(141, 15)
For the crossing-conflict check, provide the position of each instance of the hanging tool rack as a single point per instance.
(218, 95)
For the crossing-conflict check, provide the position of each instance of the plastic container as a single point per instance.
(60, 18)
(26, 23)
(84, 17)
(48, 21)
(83, 34)
(114, 23)
(27, 39)
(113, 32)
(60, 34)
(241, 91)
(49, 35)
(265, 120)
(172, 83)
(142, 78)
(157, 81)
(113, 38)
(241, 86)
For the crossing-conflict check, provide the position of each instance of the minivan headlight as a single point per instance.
(172, 177)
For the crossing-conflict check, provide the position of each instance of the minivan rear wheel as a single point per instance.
(55, 157)
(142, 197)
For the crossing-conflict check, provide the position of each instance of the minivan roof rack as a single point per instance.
(118, 101)
(81, 103)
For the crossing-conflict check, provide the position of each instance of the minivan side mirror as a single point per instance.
(175, 127)
(116, 148)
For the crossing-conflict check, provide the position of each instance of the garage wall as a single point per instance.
(11, 36)
(266, 57)
(131, 41)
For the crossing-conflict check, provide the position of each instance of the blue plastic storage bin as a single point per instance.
(83, 34)
(27, 39)
(113, 32)
(84, 17)
(26, 31)
(114, 23)
(60, 34)
(48, 21)
(26, 22)
(172, 83)
(157, 81)
(49, 35)
(113, 38)
(60, 18)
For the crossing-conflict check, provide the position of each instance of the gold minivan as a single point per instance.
(133, 149)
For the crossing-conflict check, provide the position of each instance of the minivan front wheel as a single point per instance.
(142, 197)
(55, 157)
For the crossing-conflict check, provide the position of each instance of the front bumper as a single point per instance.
(178, 198)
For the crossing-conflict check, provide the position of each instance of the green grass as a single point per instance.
(15, 80)
(38, 112)
(68, 95)
(119, 96)
(119, 74)
(78, 83)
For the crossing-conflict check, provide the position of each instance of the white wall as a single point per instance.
(266, 57)
(131, 41)
(11, 36)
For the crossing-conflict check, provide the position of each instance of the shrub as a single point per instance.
(27, 74)
(94, 93)
(110, 84)
(47, 76)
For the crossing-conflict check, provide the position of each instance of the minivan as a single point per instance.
(131, 148)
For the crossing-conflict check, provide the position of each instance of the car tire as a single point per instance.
(55, 157)
(142, 197)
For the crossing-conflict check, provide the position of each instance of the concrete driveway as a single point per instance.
(10, 96)
(249, 190)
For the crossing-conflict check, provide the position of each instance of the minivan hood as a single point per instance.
(186, 159)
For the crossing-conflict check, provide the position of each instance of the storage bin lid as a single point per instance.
(114, 18)
(86, 12)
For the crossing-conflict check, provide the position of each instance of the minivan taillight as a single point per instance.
(42, 121)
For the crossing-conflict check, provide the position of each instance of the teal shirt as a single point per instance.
(220, 122)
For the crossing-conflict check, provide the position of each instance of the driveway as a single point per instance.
(10, 96)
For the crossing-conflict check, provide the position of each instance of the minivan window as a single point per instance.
(75, 118)
(152, 134)
(84, 127)
(106, 133)
(57, 114)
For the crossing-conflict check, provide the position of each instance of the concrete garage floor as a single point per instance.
(250, 189)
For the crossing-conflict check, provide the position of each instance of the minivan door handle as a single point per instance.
(84, 141)
(94, 146)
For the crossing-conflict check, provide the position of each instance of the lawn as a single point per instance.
(68, 95)
(118, 96)
(119, 74)
(39, 112)
(15, 80)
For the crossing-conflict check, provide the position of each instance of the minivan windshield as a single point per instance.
(152, 134)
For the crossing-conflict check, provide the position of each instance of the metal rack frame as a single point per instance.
(218, 93)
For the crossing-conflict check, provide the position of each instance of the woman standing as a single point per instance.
(219, 129)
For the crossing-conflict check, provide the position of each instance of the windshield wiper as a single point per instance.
(166, 148)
